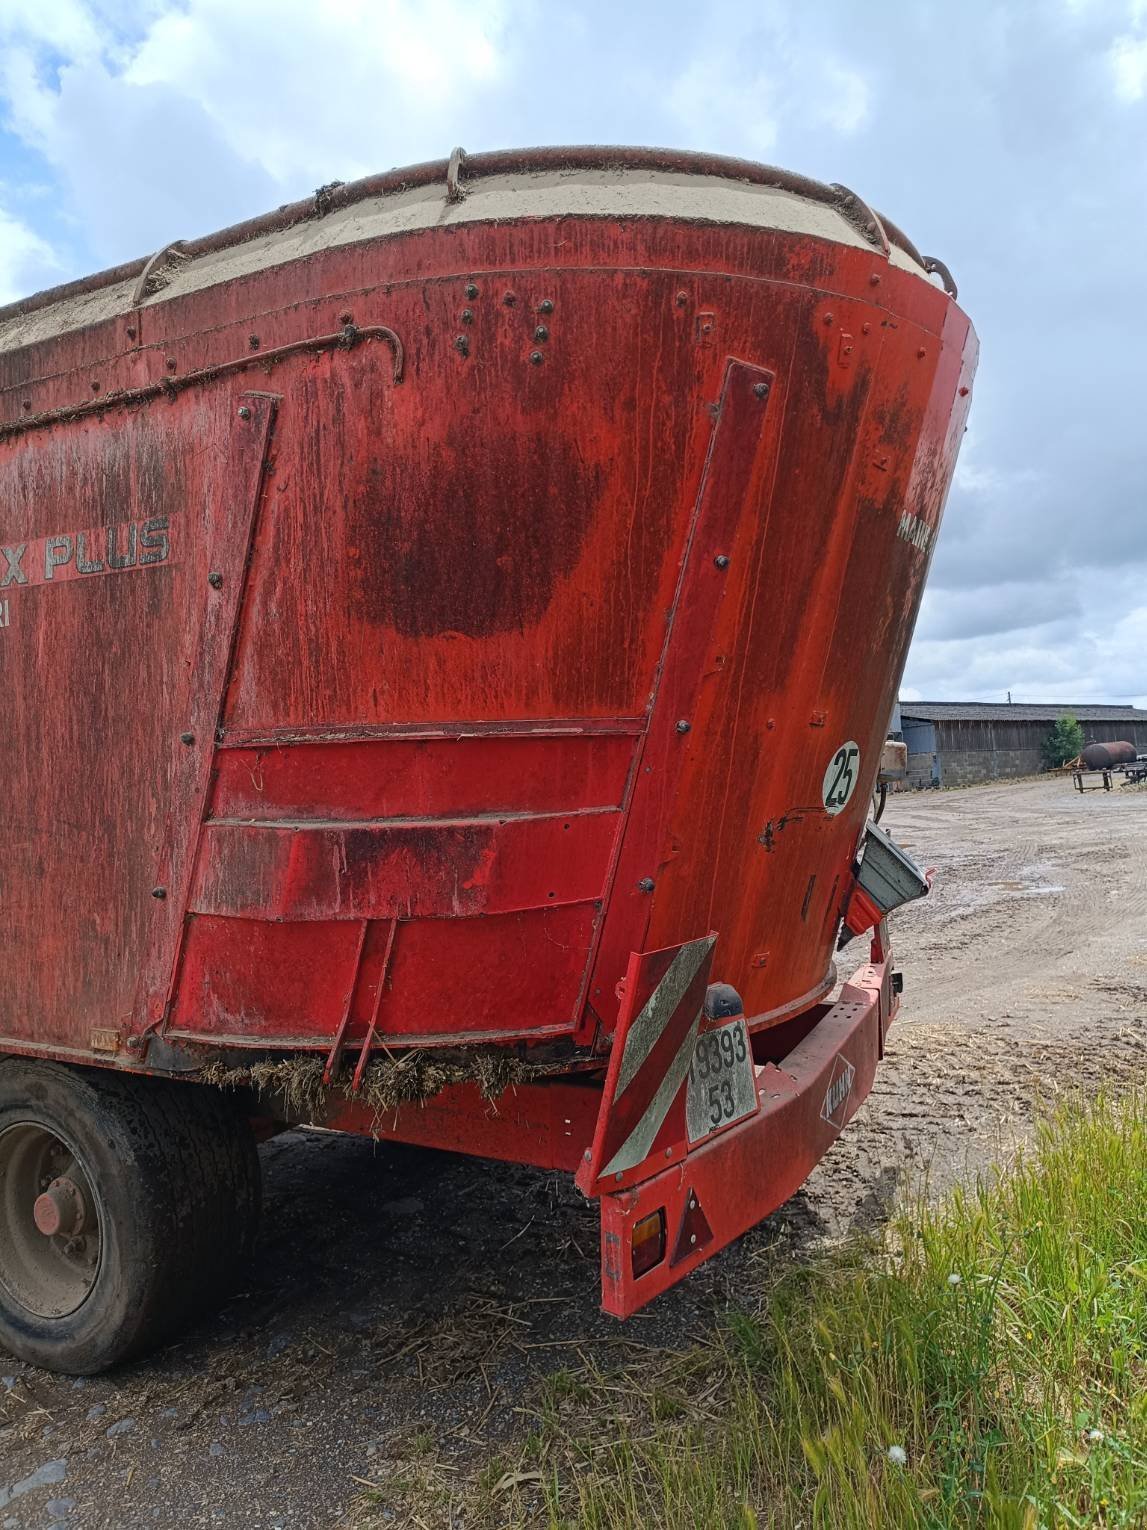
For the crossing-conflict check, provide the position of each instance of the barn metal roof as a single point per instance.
(1007, 711)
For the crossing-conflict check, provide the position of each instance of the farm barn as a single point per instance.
(957, 743)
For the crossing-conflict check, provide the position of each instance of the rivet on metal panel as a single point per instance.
(721, 561)
(187, 738)
(346, 318)
(95, 385)
(244, 412)
(770, 723)
(467, 316)
(471, 289)
(681, 299)
(253, 342)
(130, 331)
(818, 720)
(26, 405)
(844, 350)
(683, 726)
(541, 333)
(171, 363)
(646, 884)
(546, 305)
(215, 581)
(509, 298)
(462, 345)
(828, 318)
(963, 394)
(761, 390)
(874, 279)
(159, 892)
(706, 324)
(536, 358)
(866, 329)
(759, 959)
(921, 353)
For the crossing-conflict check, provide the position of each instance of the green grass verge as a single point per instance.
(984, 1366)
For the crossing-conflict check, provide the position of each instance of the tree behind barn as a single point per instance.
(1063, 743)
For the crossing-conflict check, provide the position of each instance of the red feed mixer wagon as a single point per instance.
(447, 633)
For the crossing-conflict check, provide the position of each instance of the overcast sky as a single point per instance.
(1008, 139)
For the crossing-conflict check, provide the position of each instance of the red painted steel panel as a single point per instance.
(407, 870)
(114, 650)
(546, 1124)
(396, 777)
(483, 524)
(247, 981)
(504, 975)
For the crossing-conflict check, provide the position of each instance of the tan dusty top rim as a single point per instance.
(461, 185)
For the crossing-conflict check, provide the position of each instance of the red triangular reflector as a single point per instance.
(695, 1231)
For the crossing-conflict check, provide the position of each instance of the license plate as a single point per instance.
(722, 1085)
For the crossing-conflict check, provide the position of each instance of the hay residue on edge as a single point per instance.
(387, 1082)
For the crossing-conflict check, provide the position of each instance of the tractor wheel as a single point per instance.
(126, 1206)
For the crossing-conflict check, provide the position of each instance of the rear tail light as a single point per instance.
(648, 1243)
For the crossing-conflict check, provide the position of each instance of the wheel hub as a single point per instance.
(61, 1211)
(50, 1222)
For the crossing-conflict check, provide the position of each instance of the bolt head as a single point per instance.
(683, 726)
(244, 413)
(546, 306)
(215, 581)
(159, 892)
(187, 738)
(721, 561)
(536, 358)
(509, 298)
(471, 289)
(541, 333)
(761, 390)
(646, 884)
(467, 316)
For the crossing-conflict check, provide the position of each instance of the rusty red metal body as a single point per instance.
(420, 606)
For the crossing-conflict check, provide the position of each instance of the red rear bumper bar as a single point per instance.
(729, 1183)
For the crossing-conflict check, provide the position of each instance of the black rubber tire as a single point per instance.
(176, 1172)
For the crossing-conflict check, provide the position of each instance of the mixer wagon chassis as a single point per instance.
(448, 630)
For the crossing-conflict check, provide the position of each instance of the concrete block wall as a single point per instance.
(965, 768)
(919, 771)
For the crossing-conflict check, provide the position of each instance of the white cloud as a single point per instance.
(26, 261)
(1128, 58)
(213, 111)
(772, 71)
(847, 99)
(728, 103)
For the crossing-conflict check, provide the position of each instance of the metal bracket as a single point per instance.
(455, 191)
(932, 265)
(158, 272)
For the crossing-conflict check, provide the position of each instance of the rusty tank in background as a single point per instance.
(1104, 756)
(449, 628)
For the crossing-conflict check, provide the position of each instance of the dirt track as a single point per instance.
(404, 1301)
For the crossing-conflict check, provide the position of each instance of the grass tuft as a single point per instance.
(984, 1366)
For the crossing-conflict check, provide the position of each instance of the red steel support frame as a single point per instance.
(729, 1183)
(710, 1195)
